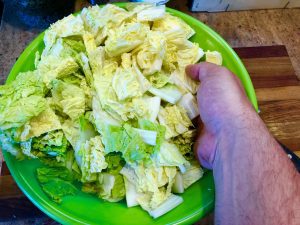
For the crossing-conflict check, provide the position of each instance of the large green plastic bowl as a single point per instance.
(88, 209)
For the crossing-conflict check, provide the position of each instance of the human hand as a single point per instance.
(223, 107)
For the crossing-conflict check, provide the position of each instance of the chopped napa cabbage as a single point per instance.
(63, 48)
(87, 92)
(126, 84)
(169, 24)
(189, 55)
(8, 144)
(115, 14)
(83, 62)
(71, 131)
(76, 45)
(46, 174)
(153, 104)
(126, 38)
(75, 78)
(126, 60)
(151, 53)
(112, 187)
(21, 100)
(170, 60)
(184, 143)
(108, 98)
(182, 80)
(159, 79)
(152, 13)
(145, 107)
(131, 193)
(172, 202)
(137, 7)
(45, 122)
(148, 136)
(144, 83)
(110, 66)
(56, 189)
(93, 160)
(158, 129)
(176, 39)
(26, 149)
(180, 53)
(178, 186)
(169, 93)
(214, 57)
(17, 113)
(150, 187)
(68, 160)
(78, 133)
(115, 162)
(51, 67)
(146, 179)
(89, 43)
(97, 19)
(101, 117)
(93, 19)
(127, 141)
(189, 103)
(68, 26)
(153, 184)
(69, 98)
(169, 155)
(97, 160)
(56, 182)
(53, 144)
(175, 119)
(95, 54)
(85, 133)
(28, 83)
(192, 174)
(51, 148)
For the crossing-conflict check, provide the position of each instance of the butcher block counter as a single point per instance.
(267, 41)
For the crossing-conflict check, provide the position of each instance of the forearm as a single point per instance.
(255, 181)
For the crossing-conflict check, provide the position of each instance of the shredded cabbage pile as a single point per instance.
(110, 104)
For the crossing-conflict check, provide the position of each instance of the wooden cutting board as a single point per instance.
(278, 93)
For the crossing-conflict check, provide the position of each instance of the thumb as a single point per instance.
(202, 70)
(205, 148)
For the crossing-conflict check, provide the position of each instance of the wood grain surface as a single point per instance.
(278, 93)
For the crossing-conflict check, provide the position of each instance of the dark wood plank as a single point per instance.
(262, 52)
(9, 188)
(278, 93)
(271, 72)
(4, 170)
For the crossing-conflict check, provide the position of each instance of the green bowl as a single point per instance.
(88, 209)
